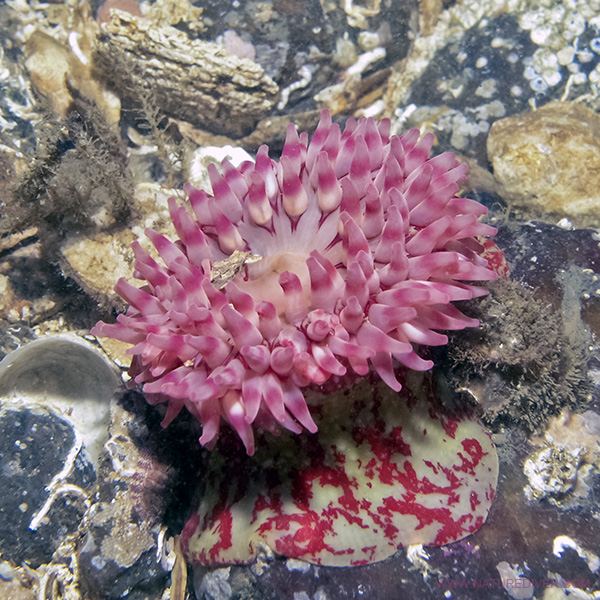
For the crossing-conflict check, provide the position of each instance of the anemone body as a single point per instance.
(356, 247)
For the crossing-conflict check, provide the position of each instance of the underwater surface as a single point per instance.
(241, 361)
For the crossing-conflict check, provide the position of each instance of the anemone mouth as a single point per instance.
(262, 278)
(278, 263)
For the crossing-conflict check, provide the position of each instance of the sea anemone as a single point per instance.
(385, 470)
(342, 255)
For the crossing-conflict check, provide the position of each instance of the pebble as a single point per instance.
(548, 161)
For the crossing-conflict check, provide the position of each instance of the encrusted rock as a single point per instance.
(95, 261)
(548, 161)
(577, 432)
(193, 80)
(564, 469)
(124, 546)
(473, 64)
(552, 474)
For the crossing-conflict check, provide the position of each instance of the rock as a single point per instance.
(548, 161)
(45, 480)
(193, 80)
(577, 433)
(124, 552)
(97, 261)
(564, 469)
(552, 474)
(481, 64)
(75, 491)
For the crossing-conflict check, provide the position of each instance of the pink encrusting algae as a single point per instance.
(349, 250)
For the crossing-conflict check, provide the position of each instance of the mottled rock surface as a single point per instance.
(548, 161)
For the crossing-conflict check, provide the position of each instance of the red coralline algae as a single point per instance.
(340, 256)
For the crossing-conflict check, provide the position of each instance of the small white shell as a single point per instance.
(71, 375)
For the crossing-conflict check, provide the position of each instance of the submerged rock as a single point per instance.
(563, 471)
(46, 481)
(548, 161)
(188, 79)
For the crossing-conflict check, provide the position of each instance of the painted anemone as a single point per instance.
(343, 256)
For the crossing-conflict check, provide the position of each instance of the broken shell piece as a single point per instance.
(515, 583)
(71, 375)
(564, 542)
